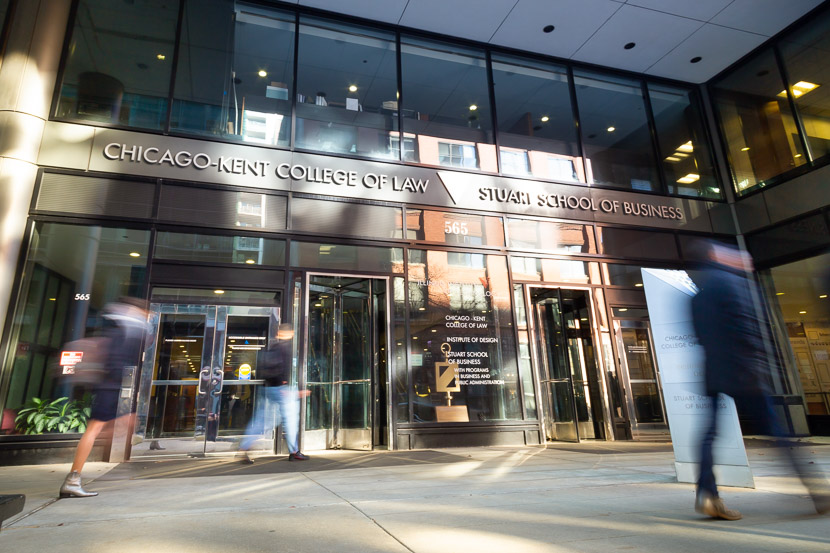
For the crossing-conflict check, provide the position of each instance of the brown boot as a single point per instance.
(713, 506)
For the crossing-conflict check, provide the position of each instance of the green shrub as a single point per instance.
(61, 415)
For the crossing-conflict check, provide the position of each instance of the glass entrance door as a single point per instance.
(567, 364)
(345, 347)
(642, 378)
(198, 383)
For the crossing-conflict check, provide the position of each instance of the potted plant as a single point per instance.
(60, 415)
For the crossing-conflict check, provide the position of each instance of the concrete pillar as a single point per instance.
(28, 73)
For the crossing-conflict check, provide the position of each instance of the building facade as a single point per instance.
(456, 231)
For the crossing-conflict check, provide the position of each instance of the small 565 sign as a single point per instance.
(81, 297)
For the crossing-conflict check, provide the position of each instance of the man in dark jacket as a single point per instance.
(274, 368)
(724, 316)
(123, 334)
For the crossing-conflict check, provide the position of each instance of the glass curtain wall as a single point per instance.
(537, 129)
(446, 105)
(615, 131)
(686, 158)
(347, 90)
(235, 72)
(234, 81)
(757, 123)
(71, 273)
(119, 63)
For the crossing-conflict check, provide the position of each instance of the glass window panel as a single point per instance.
(537, 134)
(808, 233)
(185, 295)
(537, 269)
(462, 345)
(454, 228)
(72, 272)
(208, 248)
(638, 243)
(345, 218)
(632, 312)
(446, 105)
(756, 121)
(347, 90)
(805, 58)
(557, 237)
(525, 364)
(687, 160)
(235, 71)
(615, 132)
(623, 275)
(343, 256)
(119, 63)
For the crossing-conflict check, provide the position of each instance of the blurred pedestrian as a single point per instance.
(730, 332)
(274, 367)
(125, 324)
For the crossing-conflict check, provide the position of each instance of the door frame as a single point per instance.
(534, 356)
(303, 361)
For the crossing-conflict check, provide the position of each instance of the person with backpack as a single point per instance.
(274, 368)
(121, 342)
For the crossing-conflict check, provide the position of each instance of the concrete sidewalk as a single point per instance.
(594, 497)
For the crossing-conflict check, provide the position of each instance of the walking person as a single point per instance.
(725, 321)
(125, 325)
(274, 368)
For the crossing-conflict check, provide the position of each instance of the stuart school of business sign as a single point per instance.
(183, 159)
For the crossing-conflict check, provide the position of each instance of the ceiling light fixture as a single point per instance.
(262, 73)
(220, 292)
(473, 107)
(802, 312)
(687, 147)
(250, 261)
(548, 29)
(800, 89)
(545, 119)
(672, 159)
(611, 129)
(352, 88)
(688, 179)
(695, 59)
(623, 310)
(630, 45)
(135, 254)
(745, 149)
(823, 296)
(160, 57)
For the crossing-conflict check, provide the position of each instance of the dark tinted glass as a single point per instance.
(618, 148)
(119, 63)
(687, 160)
(809, 233)
(757, 124)
(345, 218)
(537, 134)
(234, 73)
(446, 105)
(208, 248)
(649, 244)
(347, 90)
(805, 54)
(343, 256)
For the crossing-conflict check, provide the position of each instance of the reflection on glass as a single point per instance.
(612, 115)
(687, 162)
(235, 71)
(525, 363)
(347, 90)
(446, 105)
(618, 274)
(536, 269)
(98, 85)
(207, 248)
(462, 347)
(454, 228)
(345, 218)
(537, 134)
(805, 57)
(71, 273)
(342, 256)
(401, 371)
(642, 373)
(245, 338)
(756, 121)
(555, 237)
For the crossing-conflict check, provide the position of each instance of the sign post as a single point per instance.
(681, 360)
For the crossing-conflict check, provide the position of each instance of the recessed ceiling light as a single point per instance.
(797, 155)
(630, 45)
(262, 73)
(672, 159)
(219, 292)
(135, 254)
(548, 29)
(688, 179)
(611, 129)
(623, 309)
(745, 149)
(352, 88)
(250, 261)
(160, 57)
(545, 119)
(695, 59)
(55, 299)
(473, 107)
(639, 285)
(799, 89)
(687, 147)
(823, 296)
(802, 312)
